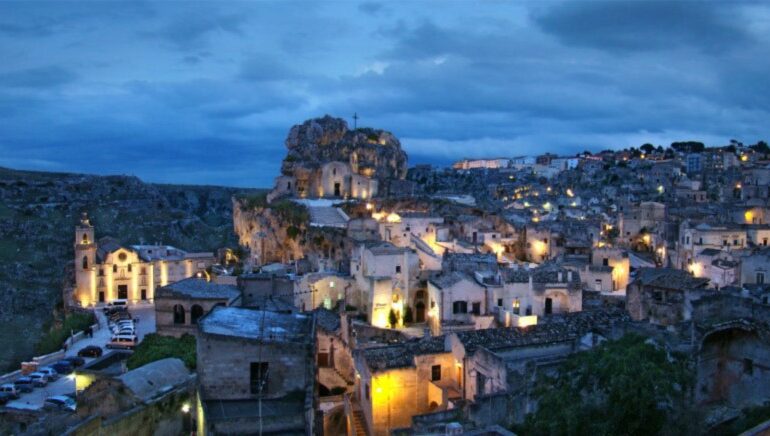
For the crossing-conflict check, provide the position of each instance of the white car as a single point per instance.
(60, 402)
(50, 372)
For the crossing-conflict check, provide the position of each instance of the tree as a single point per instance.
(392, 319)
(760, 147)
(647, 148)
(628, 387)
(408, 315)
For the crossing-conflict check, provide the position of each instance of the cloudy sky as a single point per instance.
(204, 93)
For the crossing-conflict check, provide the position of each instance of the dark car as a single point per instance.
(60, 402)
(62, 367)
(90, 351)
(24, 384)
(5, 397)
(75, 361)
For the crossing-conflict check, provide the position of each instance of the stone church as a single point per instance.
(106, 271)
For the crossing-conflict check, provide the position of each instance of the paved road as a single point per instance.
(66, 384)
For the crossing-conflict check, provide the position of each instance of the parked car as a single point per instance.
(24, 384)
(5, 398)
(10, 389)
(125, 342)
(62, 367)
(90, 351)
(75, 361)
(60, 402)
(50, 372)
(39, 379)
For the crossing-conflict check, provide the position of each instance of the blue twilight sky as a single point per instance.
(204, 92)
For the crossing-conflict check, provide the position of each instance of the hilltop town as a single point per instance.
(362, 296)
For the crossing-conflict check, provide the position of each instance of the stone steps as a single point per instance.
(359, 423)
(324, 216)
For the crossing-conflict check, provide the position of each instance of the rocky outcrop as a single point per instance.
(370, 152)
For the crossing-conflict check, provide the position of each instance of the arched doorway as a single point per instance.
(196, 312)
(178, 314)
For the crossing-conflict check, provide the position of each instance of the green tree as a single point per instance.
(628, 387)
(392, 318)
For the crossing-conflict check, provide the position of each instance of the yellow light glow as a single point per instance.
(547, 206)
(393, 218)
(744, 158)
(539, 247)
(548, 189)
(696, 269)
(186, 408)
(749, 217)
(660, 189)
(535, 219)
(369, 206)
(379, 215)
(738, 185)
(570, 193)
(646, 239)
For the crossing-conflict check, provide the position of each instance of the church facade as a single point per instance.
(107, 271)
(331, 180)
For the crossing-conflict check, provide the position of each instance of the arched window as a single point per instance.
(114, 268)
(195, 313)
(85, 262)
(178, 314)
(85, 238)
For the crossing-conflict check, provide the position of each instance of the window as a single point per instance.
(398, 269)
(258, 377)
(85, 262)
(195, 313)
(724, 242)
(460, 307)
(760, 278)
(178, 314)
(101, 272)
(516, 306)
(129, 267)
(735, 242)
(500, 302)
(657, 295)
(700, 241)
(764, 241)
(606, 262)
(114, 268)
(331, 284)
(435, 372)
(477, 308)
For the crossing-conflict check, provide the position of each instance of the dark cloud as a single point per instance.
(371, 8)
(190, 30)
(644, 25)
(40, 78)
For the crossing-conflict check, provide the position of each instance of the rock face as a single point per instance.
(38, 213)
(370, 152)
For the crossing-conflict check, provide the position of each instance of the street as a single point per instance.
(145, 314)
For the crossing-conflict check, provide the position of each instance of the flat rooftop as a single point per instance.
(239, 322)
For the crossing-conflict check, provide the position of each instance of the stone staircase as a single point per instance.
(359, 423)
(326, 216)
(347, 381)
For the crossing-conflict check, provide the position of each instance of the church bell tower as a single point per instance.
(85, 262)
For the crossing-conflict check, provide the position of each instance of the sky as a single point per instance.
(205, 92)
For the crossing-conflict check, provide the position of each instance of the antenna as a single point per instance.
(355, 120)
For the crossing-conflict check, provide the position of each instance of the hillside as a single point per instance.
(38, 212)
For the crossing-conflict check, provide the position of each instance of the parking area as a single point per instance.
(65, 385)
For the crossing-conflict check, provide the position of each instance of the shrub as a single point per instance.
(156, 347)
(55, 337)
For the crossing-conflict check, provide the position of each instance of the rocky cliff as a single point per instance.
(376, 152)
(38, 212)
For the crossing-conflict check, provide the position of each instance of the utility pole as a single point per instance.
(355, 120)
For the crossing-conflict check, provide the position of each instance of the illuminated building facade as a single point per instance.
(106, 271)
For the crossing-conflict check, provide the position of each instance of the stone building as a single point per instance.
(151, 399)
(664, 296)
(259, 290)
(107, 271)
(387, 279)
(248, 358)
(330, 180)
(324, 289)
(180, 305)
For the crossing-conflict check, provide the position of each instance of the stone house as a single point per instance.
(664, 296)
(146, 400)
(755, 268)
(334, 354)
(387, 279)
(325, 289)
(259, 289)
(180, 305)
(248, 356)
